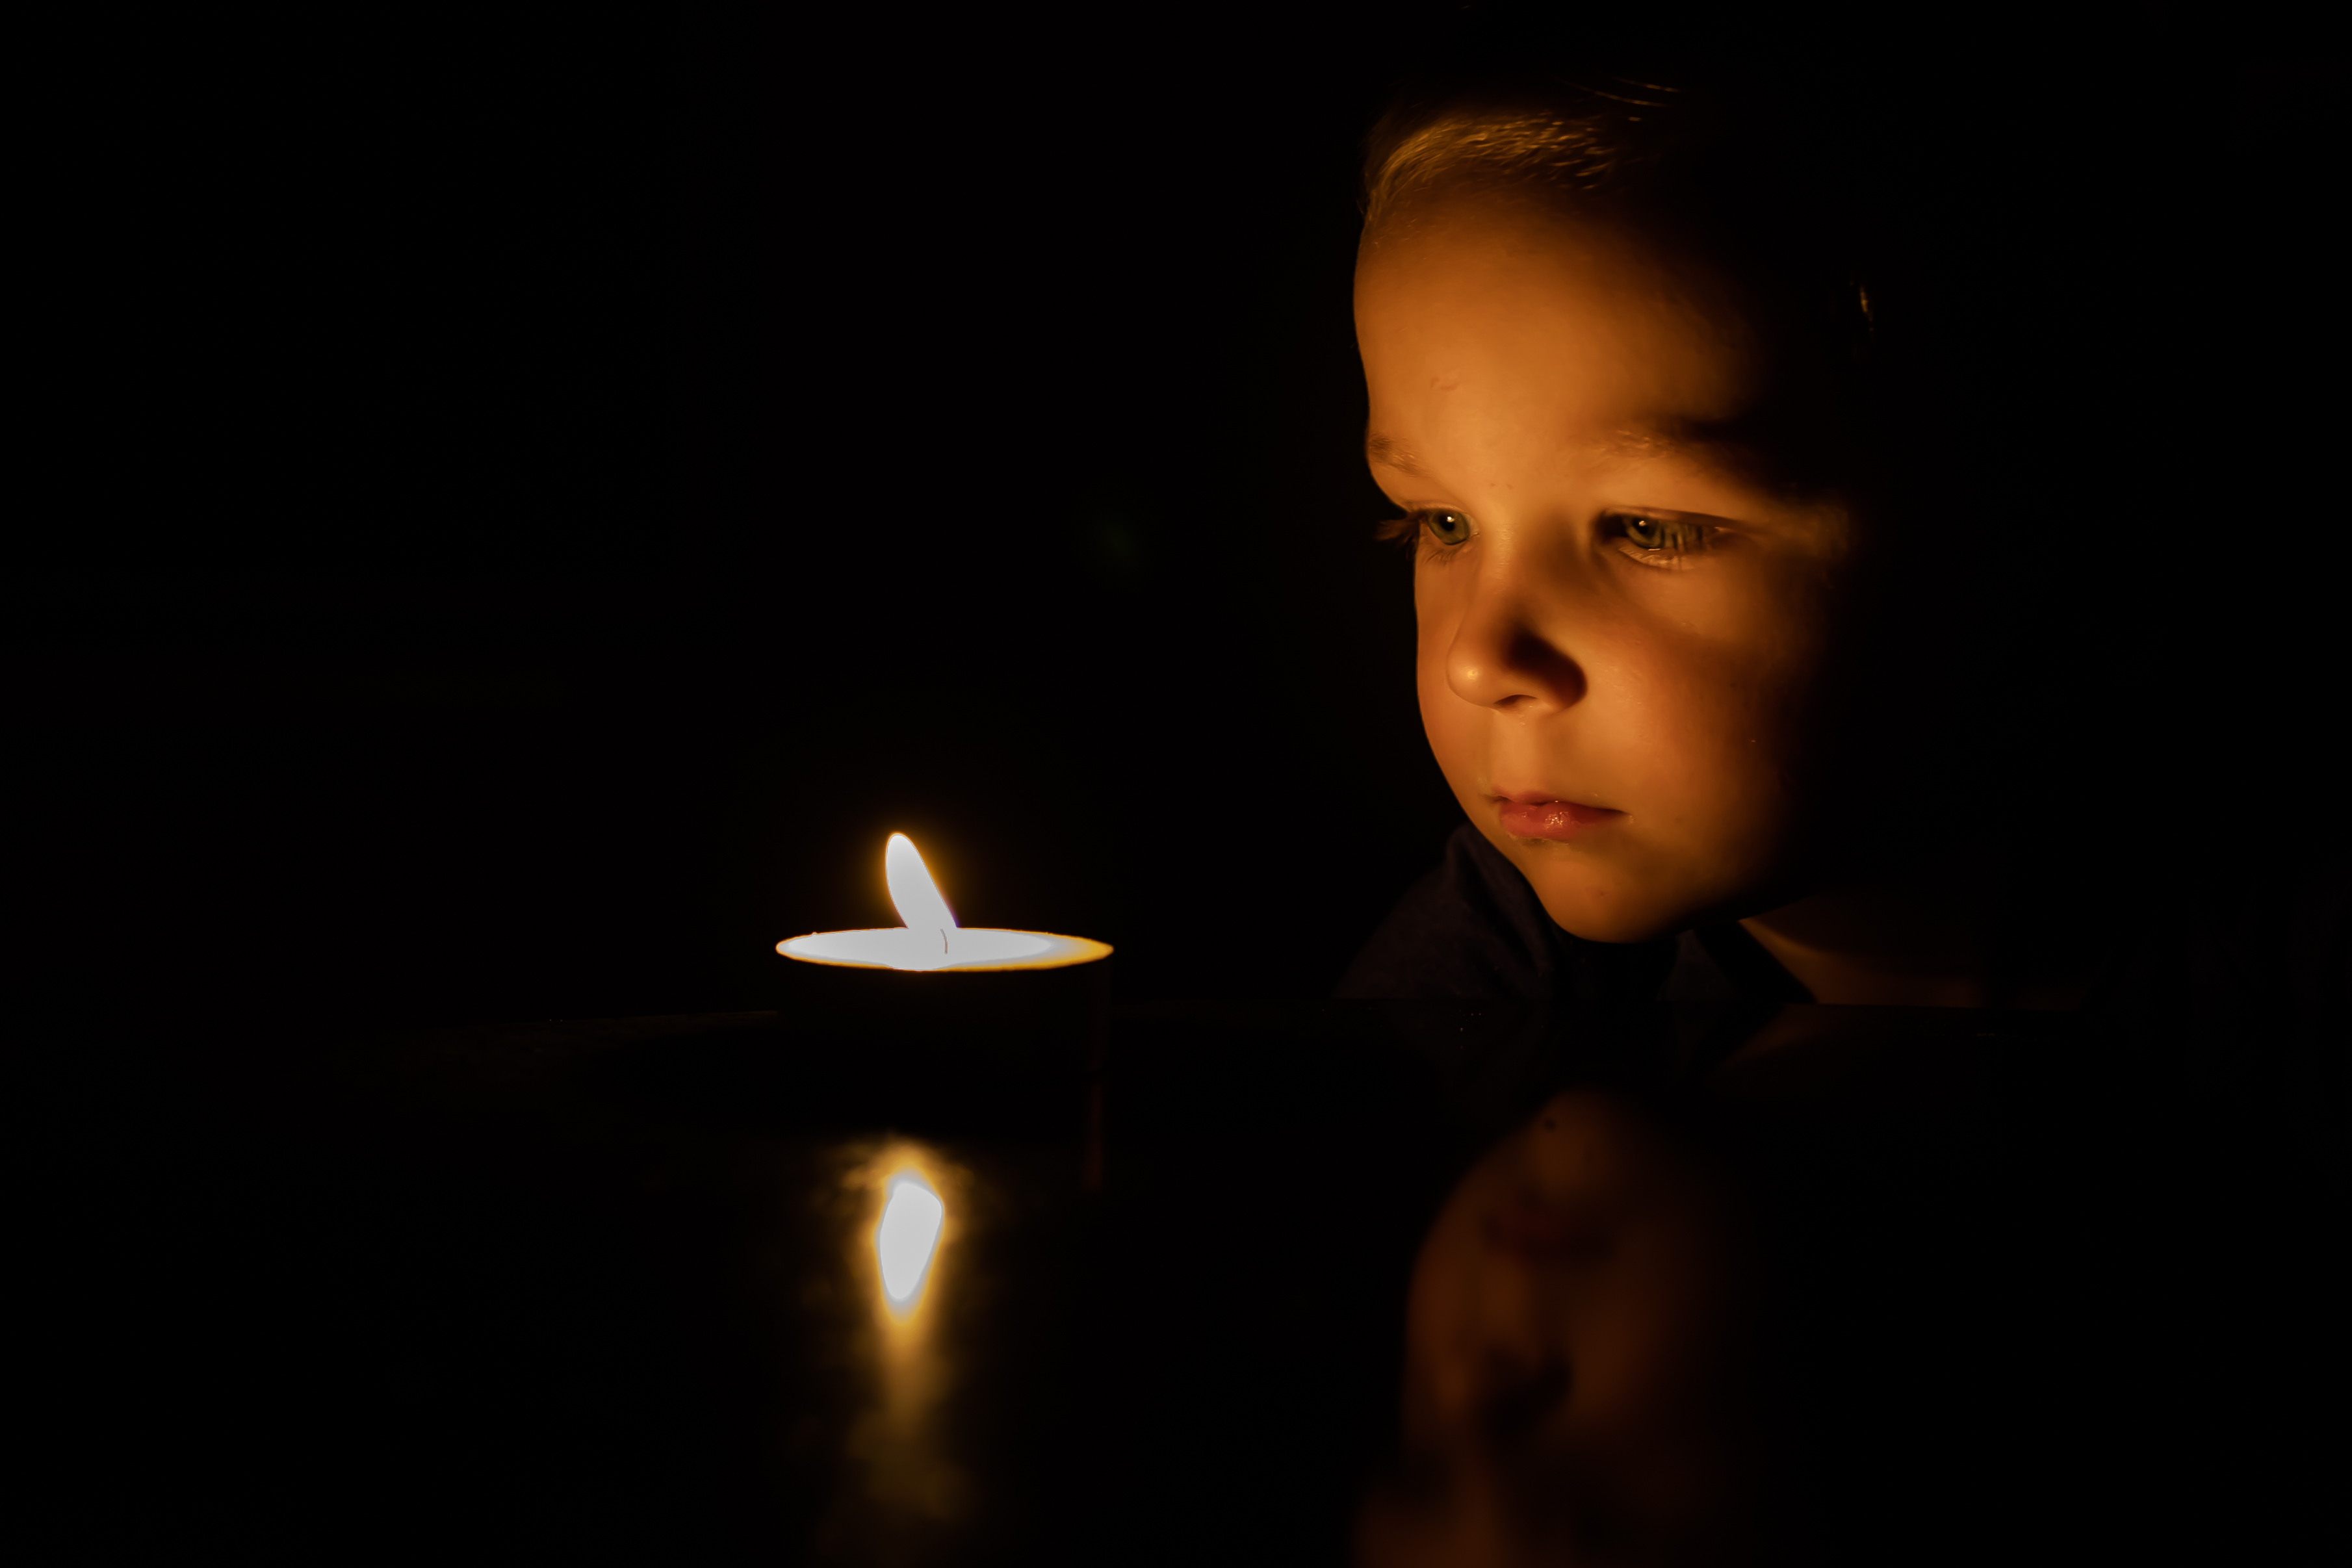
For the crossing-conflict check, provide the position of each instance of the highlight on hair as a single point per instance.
(1760, 172)
(1574, 138)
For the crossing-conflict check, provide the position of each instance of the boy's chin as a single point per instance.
(1614, 927)
(1588, 901)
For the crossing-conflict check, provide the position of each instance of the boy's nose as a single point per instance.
(1499, 660)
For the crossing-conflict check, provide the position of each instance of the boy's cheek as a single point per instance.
(1683, 851)
(1689, 741)
(1656, 878)
(1611, 899)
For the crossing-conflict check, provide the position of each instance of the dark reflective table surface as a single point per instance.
(2020, 1284)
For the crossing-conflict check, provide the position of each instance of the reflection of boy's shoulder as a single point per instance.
(1893, 1069)
(1967, 1073)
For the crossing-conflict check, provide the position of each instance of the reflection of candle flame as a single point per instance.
(912, 892)
(908, 1235)
(900, 1469)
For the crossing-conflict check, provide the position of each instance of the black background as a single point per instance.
(520, 505)
(514, 507)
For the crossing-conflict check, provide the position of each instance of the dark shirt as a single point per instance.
(1473, 929)
(2167, 1176)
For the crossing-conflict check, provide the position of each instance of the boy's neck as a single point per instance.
(1927, 933)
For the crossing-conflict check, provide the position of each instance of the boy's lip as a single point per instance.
(1533, 814)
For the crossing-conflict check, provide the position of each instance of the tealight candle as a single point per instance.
(942, 1026)
(928, 937)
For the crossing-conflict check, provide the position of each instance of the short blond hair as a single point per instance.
(1590, 141)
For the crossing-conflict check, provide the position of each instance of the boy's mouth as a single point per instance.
(1527, 814)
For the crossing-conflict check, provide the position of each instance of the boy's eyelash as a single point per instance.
(1665, 558)
(1410, 531)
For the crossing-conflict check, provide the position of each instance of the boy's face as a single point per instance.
(1625, 629)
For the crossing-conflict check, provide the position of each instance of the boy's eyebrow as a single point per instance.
(1390, 453)
(1736, 449)
(1749, 451)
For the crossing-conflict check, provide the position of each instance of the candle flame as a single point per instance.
(908, 1235)
(929, 937)
(912, 892)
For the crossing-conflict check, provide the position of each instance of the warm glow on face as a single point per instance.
(1611, 618)
(908, 1235)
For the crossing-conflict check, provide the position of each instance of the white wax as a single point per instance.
(959, 948)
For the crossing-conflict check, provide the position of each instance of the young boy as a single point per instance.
(1734, 489)
(1741, 550)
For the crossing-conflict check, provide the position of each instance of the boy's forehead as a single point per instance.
(1586, 340)
(1731, 450)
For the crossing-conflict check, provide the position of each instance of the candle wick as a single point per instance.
(943, 941)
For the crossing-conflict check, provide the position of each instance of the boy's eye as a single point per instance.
(1656, 539)
(1446, 525)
